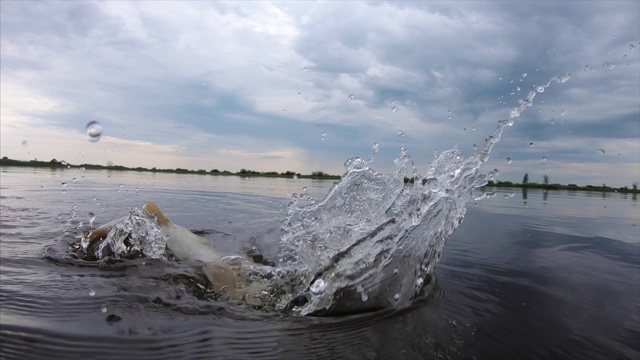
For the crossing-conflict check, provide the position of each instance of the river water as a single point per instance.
(535, 275)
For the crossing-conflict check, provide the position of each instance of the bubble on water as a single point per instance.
(92, 292)
(401, 132)
(609, 65)
(432, 184)
(323, 136)
(318, 287)
(94, 130)
(351, 97)
(104, 309)
(601, 151)
(631, 47)
(531, 144)
(509, 160)
(540, 89)
(524, 74)
(394, 109)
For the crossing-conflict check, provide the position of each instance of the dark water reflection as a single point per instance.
(542, 276)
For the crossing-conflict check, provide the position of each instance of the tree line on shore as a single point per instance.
(55, 164)
(546, 184)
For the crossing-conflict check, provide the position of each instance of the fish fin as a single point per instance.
(152, 208)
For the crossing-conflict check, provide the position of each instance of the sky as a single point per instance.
(304, 86)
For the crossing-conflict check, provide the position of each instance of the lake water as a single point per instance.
(539, 275)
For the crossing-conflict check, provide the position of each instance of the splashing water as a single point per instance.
(374, 241)
(138, 233)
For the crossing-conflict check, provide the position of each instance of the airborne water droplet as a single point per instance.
(419, 282)
(540, 89)
(351, 97)
(394, 109)
(524, 74)
(94, 130)
(323, 135)
(508, 160)
(609, 65)
(401, 132)
(104, 309)
(375, 148)
(396, 297)
(92, 292)
(631, 47)
(531, 144)
(601, 151)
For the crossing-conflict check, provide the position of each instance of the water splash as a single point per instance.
(373, 225)
(137, 234)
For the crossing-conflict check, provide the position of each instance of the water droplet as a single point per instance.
(375, 148)
(552, 121)
(609, 65)
(104, 309)
(396, 297)
(401, 132)
(631, 47)
(92, 292)
(64, 163)
(509, 160)
(299, 93)
(318, 287)
(518, 88)
(323, 135)
(394, 109)
(531, 144)
(419, 282)
(24, 142)
(587, 68)
(351, 97)
(563, 113)
(601, 151)
(432, 184)
(64, 183)
(395, 271)
(524, 74)
(304, 189)
(94, 130)
(540, 89)
(544, 158)
(304, 69)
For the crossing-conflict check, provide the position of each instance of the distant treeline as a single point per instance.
(633, 189)
(55, 164)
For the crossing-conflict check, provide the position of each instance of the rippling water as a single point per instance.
(554, 275)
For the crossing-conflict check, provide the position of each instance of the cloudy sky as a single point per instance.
(255, 85)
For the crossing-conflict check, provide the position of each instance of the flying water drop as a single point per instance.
(601, 151)
(94, 130)
(401, 132)
(394, 109)
(323, 136)
(351, 97)
(609, 65)
(509, 160)
(531, 144)
(92, 292)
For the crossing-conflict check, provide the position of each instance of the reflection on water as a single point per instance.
(555, 279)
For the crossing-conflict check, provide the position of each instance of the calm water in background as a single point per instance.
(555, 275)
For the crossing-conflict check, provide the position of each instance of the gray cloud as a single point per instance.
(244, 78)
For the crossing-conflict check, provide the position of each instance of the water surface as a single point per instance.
(532, 276)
